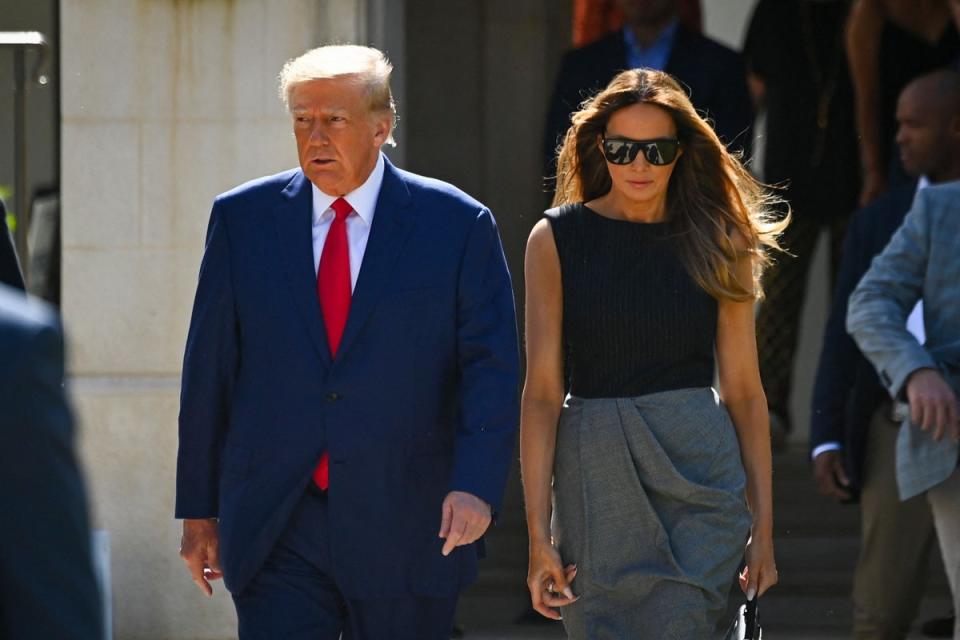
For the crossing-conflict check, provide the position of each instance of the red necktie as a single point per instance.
(333, 287)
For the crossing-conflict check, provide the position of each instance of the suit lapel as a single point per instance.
(392, 223)
(294, 223)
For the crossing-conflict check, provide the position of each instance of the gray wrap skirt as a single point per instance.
(649, 504)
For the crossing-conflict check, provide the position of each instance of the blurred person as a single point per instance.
(349, 402)
(852, 432)
(47, 583)
(921, 262)
(654, 37)
(10, 273)
(648, 261)
(890, 42)
(593, 19)
(797, 69)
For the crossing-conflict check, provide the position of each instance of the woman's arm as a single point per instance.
(539, 413)
(864, 31)
(742, 393)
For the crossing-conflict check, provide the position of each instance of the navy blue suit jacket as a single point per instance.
(715, 74)
(47, 584)
(847, 390)
(421, 399)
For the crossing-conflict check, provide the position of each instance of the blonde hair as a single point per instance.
(717, 209)
(370, 66)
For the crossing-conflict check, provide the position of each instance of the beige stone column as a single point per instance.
(165, 104)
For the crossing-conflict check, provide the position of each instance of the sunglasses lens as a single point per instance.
(620, 151)
(656, 152)
(661, 152)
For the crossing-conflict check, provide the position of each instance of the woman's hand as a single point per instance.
(761, 571)
(548, 580)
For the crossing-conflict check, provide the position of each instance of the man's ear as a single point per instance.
(383, 125)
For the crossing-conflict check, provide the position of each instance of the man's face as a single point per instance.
(647, 11)
(925, 133)
(338, 137)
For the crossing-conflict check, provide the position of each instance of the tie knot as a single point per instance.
(342, 208)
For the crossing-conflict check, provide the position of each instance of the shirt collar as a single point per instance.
(664, 40)
(363, 199)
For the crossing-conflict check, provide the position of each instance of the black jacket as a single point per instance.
(847, 391)
(47, 584)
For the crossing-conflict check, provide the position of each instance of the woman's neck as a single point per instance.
(616, 205)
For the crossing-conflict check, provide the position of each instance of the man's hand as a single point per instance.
(933, 404)
(830, 476)
(465, 518)
(199, 550)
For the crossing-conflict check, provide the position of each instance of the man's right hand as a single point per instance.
(199, 548)
(933, 404)
(830, 476)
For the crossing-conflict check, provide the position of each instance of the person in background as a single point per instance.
(48, 587)
(890, 42)
(653, 37)
(852, 431)
(797, 69)
(921, 262)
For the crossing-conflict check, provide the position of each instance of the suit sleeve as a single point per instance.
(210, 364)
(46, 572)
(881, 303)
(836, 370)
(488, 359)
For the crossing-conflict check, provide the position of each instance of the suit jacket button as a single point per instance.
(333, 396)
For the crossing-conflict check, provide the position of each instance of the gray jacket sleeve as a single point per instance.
(879, 306)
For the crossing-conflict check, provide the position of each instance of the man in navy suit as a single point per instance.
(654, 37)
(349, 396)
(47, 583)
(853, 432)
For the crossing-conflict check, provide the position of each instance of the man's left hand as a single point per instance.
(465, 518)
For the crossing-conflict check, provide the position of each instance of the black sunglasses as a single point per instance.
(660, 151)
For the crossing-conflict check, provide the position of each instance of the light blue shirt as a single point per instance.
(656, 55)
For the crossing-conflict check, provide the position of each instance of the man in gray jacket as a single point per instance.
(922, 261)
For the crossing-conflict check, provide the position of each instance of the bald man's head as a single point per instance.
(928, 113)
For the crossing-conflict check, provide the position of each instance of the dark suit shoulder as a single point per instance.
(433, 193)
(20, 313)
(607, 52)
(264, 187)
(706, 51)
(23, 321)
(879, 219)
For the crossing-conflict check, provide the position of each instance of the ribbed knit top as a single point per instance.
(634, 321)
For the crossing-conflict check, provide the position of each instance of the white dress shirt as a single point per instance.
(363, 199)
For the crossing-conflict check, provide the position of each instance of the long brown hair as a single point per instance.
(718, 210)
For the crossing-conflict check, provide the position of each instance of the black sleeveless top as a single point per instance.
(634, 321)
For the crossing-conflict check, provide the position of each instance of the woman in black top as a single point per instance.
(647, 265)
